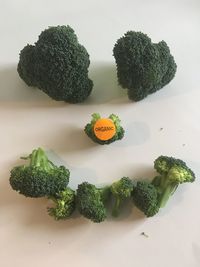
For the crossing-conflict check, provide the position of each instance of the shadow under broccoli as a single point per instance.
(57, 64)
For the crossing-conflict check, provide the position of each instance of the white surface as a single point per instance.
(29, 119)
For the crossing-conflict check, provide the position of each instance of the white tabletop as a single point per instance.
(29, 119)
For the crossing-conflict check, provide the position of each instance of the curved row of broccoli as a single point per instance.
(41, 178)
(58, 65)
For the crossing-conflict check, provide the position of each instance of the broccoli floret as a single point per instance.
(119, 131)
(57, 64)
(172, 173)
(121, 190)
(145, 197)
(64, 204)
(143, 67)
(91, 201)
(40, 178)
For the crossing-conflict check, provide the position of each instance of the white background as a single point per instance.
(29, 119)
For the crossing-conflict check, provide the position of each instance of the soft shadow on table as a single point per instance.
(106, 88)
(103, 74)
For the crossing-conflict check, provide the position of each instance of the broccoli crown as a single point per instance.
(90, 201)
(145, 197)
(89, 129)
(40, 178)
(57, 64)
(143, 67)
(121, 190)
(174, 169)
(64, 204)
(172, 173)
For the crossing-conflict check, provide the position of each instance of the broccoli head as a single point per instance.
(121, 190)
(145, 197)
(143, 67)
(57, 64)
(92, 131)
(91, 201)
(64, 204)
(40, 178)
(172, 173)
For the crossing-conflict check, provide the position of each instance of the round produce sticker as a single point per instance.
(104, 129)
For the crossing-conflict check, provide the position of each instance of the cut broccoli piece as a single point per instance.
(89, 129)
(143, 67)
(64, 204)
(121, 190)
(91, 201)
(40, 178)
(172, 173)
(145, 197)
(57, 64)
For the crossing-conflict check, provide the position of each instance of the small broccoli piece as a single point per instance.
(90, 131)
(91, 201)
(121, 190)
(145, 197)
(143, 67)
(172, 173)
(58, 65)
(64, 204)
(40, 178)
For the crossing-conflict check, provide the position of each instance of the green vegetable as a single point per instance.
(149, 197)
(173, 172)
(40, 177)
(57, 64)
(143, 67)
(145, 197)
(121, 190)
(64, 204)
(89, 129)
(91, 201)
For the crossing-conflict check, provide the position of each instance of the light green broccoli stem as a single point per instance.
(105, 193)
(38, 158)
(166, 189)
(95, 117)
(115, 211)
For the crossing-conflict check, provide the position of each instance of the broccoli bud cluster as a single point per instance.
(41, 178)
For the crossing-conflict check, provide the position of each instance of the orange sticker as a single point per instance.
(104, 129)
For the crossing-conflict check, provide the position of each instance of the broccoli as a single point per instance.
(143, 67)
(149, 197)
(40, 178)
(57, 64)
(121, 190)
(64, 204)
(91, 200)
(145, 197)
(110, 129)
(172, 173)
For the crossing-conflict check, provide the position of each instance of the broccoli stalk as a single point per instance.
(120, 190)
(40, 177)
(91, 201)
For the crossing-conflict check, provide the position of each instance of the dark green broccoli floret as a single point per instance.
(145, 197)
(89, 129)
(172, 173)
(64, 204)
(91, 201)
(143, 67)
(121, 190)
(40, 178)
(57, 64)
